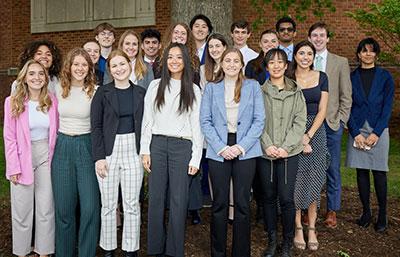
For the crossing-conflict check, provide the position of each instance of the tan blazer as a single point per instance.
(339, 101)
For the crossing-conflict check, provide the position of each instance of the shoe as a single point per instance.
(270, 251)
(131, 254)
(195, 217)
(109, 253)
(364, 220)
(304, 219)
(330, 220)
(381, 224)
(298, 244)
(287, 247)
(313, 246)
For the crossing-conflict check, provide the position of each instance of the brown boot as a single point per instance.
(330, 219)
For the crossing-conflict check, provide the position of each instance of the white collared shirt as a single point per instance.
(248, 54)
(324, 55)
(200, 51)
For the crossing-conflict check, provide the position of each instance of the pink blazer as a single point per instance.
(17, 141)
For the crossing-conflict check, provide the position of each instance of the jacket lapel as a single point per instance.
(244, 99)
(375, 84)
(110, 95)
(219, 91)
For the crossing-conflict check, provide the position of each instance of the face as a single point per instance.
(79, 68)
(105, 38)
(120, 68)
(44, 56)
(216, 49)
(286, 32)
(276, 67)
(179, 35)
(151, 46)
(35, 77)
(240, 36)
(93, 50)
(319, 38)
(231, 64)
(130, 46)
(200, 30)
(367, 56)
(304, 57)
(175, 62)
(268, 41)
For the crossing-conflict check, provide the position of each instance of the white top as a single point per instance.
(248, 55)
(169, 122)
(39, 122)
(133, 75)
(232, 108)
(53, 81)
(74, 111)
(324, 55)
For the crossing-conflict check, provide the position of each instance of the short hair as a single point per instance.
(241, 24)
(368, 41)
(205, 19)
(104, 26)
(268, 31)
(319, 25)
(284, 20)
(149, 33)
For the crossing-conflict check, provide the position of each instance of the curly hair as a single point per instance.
(31, 49)
(21, 94)
(90, 79)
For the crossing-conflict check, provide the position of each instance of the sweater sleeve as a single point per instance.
(197, 136)
(148, 118)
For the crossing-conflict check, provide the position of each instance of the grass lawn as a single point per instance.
(348, 175)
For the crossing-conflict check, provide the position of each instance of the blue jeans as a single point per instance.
(333, 180)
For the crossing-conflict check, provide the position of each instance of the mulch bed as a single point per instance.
(347, 238)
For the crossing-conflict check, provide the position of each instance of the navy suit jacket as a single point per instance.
(374, 108)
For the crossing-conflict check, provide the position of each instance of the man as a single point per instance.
(105, 35)
(201, 28)
(338, 112)
(286, 30)
(151, 45)
(240, 33)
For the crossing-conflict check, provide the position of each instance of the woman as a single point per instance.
(171, 151)
(232, 119)
(73, 172)
(48, 54)
(30, 127)
(256, 69)
(313, 162)
(116, 119)
(92, 47)
(368, 142)
(281, 140)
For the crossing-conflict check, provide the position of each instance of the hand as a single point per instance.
(371, 140)
(192, 170)
(272, 151)
(228, 154)
(306, 140)
(307, 149)
(101, 168)
(282, 153)
(360, 141)
(236, 150)
(15, 179)
(146, 161)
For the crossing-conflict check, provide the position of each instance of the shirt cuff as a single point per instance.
(241, 149)
(222, 150)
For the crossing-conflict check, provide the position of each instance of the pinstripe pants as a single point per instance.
(125, 167)
(74, 182)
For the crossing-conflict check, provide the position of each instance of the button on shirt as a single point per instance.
(324, 56)
(288, 50)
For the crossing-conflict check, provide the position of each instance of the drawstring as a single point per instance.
(272, 171)
(286, 160)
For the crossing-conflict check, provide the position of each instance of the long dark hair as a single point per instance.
(291, 71)
(258, 63)
(187, 96)
(209, 61)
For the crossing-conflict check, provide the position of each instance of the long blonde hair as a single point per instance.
(140, 68)
(90, 79)
(21, 94)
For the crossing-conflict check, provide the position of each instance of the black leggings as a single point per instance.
(380, 183)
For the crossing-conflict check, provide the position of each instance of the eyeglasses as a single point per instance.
(288, 29)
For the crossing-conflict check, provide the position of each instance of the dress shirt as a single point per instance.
(324, 55)
(288, 50)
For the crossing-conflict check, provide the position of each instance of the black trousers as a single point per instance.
(278, 178)
(242, 173)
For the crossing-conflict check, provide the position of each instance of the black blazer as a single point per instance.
(104, 118)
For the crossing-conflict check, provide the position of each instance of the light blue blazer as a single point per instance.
(251, 118)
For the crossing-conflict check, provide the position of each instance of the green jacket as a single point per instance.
(285, 117)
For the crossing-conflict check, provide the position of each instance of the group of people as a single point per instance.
(79, 134)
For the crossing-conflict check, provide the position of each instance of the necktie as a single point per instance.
(318, 63)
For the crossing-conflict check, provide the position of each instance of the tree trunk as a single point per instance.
(219, 12)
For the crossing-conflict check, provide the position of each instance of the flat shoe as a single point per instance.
(313, 246)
